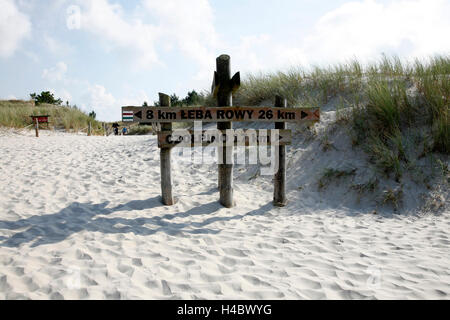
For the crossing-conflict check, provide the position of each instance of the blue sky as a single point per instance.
(103, 54)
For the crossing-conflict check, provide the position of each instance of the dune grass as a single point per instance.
(140, 130)
(17, 115)
(398, 111)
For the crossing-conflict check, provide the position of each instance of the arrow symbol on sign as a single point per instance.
(138, 114)
(317, 114)
(304, 115)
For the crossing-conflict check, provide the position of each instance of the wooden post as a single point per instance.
(223, 87)
(166, 175)
(36, 125)
(89, 129)
(279, 192)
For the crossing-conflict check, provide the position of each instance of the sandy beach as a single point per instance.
(109, 181)
(81, 218)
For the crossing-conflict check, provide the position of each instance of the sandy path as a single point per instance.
(80, 218)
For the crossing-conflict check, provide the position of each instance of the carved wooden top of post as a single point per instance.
(164, 100)
(222, 84)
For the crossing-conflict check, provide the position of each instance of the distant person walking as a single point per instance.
(124, 131)
(115, 125)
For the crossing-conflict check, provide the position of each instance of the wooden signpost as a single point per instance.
(218, 114)
(216, 138)
(37, 120)
(279, 192)
(224, 114)
(36, 127)
(166, 172)
(222, 88)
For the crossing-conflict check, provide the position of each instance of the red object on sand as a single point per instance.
(41, 119)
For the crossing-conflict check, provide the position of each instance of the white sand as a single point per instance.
(80, 218)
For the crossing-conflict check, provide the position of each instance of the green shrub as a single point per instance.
(45, 97)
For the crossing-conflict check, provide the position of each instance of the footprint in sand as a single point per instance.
(235, 252)
(224, 270)
(4, 286)
(165, 288)
(256, 281)
(19, 271)
(230, 262)
(169, 268)
(83, 294)
(82, 256)
(56, 296)
(137, 262)
(115, 295)
(128, 270)
(31, 285)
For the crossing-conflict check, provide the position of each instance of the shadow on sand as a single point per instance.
(56, 227)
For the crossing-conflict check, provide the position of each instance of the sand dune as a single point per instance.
(81, 218)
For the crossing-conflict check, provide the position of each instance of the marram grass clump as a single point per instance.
(17, 115)
(389, 104)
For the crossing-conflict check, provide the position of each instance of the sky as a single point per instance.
(104, 54)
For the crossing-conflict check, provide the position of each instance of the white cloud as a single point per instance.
(255, 52)
(102, 102)
(55, 73)
(63, 94)
(14, 27)
(107, 106)
(100, 98)
(32, 55)
(361, 29)
(135, 99)
(55, 46)
(109, 23)
(190, 24)
(367, 28)
(184, 25)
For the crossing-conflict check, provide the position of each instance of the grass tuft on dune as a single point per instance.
(17, 115)
(397, 111)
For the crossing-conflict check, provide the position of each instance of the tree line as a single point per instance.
(192, 98)
(46, 97)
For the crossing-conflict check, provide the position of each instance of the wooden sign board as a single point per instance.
(190, 139)
(219, 114)
(41, 119)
